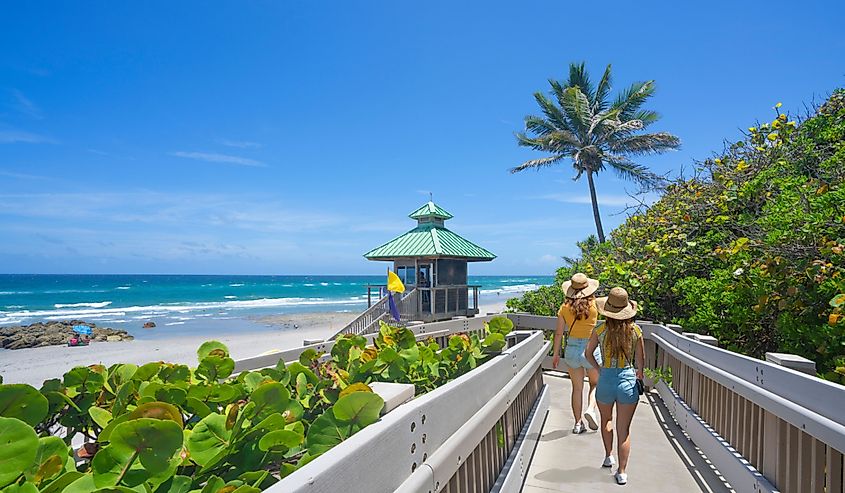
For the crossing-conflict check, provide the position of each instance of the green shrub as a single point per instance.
(750, 250)
(163, 427)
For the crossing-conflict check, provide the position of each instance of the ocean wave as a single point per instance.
(175, 323)
(67, 291)
(124, 287)
(145, 312)
(308, 284)
(324, 284)
(512, 289)
(230, 297)
(99, 304)
(6, 293)
(236, 285)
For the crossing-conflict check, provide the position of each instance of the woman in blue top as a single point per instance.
(621, 342)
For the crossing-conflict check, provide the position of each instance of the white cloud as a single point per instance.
(549, 259)
(25, 106)
(240, 144)
(13, 137)
(21, 176)
(213, 157)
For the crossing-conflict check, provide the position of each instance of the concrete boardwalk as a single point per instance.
(662, 459)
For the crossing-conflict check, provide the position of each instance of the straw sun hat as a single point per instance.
(617, 305)
(580, 286)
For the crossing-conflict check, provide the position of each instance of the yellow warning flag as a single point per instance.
(394, 283)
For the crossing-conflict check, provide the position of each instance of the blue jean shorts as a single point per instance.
(573, 355)
(617, 385)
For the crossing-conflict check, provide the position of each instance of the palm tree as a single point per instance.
(583, 125)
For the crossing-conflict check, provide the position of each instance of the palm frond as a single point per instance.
(537, 163)
(630, 100)
(538, 125)
(602, 90)
(578, 77)
(553, 113)
(628, 170)
(646, 116)
(576, 105)
(638, 145)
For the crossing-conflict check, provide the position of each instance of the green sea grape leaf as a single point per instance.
(157, 410)
(197, 407)
(837, 300)
(22, 401)
(18, 448)
(215, 348)
(355, 387)
(208, 438)
(50, 459)
(21, 488)
(494, 342)
(120, 374)
(176, 484)
(215, 367)
(171, 394)
(213, 484)
(279, 441)
(325, 432)
(84, 379)
(100, 416)
(172, 373)
(500, 325)
(359, 408)
(296, 368)
(60, 483)
(146, 372)
(269, 398)
(154, 443)
(245, 488)
(308, 356)
(222, 393)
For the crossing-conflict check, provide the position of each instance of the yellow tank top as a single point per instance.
(619, 362)
(579, 329)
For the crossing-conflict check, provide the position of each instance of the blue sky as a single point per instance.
(291, 137)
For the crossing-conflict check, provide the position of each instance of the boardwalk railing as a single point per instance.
(365, 322)
(474, 434)
(765, 427)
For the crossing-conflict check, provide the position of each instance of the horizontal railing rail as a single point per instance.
(474, 434)
(765, 427)
(378, 311)
(455, 438)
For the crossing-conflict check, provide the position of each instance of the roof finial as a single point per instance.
(430, 197)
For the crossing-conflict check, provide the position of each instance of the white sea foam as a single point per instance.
(324, 284)
(14, 292)
(145, 312)
(230, 297)
(516, 288)
(99, 304)
(236, 285)
(308, 284)
(175, 323)
(124, 287)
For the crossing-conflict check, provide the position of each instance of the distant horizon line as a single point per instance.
(241, 275)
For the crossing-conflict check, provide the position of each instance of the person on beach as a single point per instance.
(621, 342)
(578, 314)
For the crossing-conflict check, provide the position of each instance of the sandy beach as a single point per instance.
(35, 365)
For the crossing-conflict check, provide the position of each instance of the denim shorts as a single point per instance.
(573, 355)
(617, 385)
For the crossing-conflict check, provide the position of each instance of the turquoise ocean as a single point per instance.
(187, 303)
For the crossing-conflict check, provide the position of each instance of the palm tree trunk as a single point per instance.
(595, 201)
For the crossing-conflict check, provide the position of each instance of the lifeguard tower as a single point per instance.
(432, 262)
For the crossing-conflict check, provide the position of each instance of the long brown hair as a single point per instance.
(619, 340)
(580, 307)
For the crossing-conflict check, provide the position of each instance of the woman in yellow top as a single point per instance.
(621, 342)
(579, 314)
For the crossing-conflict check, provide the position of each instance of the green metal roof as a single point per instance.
(430, 210)
(430, 240)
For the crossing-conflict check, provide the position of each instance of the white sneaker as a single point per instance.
(579, 428)
(609, 461)
(621, 477)
(590, 416)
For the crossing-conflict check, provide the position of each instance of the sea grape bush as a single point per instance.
(750, 250)
(168, 428)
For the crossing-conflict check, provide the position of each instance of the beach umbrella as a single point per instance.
(82, 329)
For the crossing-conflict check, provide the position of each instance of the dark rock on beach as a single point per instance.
(149, 325)
(54, 333)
